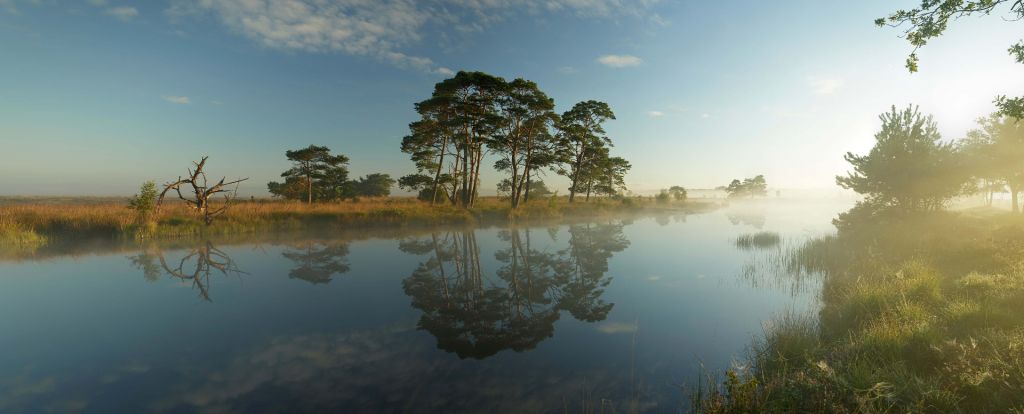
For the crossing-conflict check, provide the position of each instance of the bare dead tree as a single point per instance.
(204, 259)
(202, 192)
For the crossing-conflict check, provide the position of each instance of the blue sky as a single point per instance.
(99, 95)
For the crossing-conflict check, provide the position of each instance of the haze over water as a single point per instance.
(614, 313)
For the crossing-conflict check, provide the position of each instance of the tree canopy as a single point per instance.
(474, 114)
(749, 187)
(932, 18)
(909, 168)
(315, 175)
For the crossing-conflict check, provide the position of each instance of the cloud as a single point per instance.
(705, 115)
(213, 102)
(123, 13)
(825, 86)
(382, 29)
(444, 71)
(567, 70)
(180, 100)
(619, 61)
(98, 2)
(655, 114)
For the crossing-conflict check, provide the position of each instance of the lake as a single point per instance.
(614, 315)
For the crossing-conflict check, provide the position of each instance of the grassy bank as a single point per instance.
(27, 225)
(920, 314)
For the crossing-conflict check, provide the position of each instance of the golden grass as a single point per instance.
(21, 223)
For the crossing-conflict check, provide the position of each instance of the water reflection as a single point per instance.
(476, 314)
(755, 219)
(317, 261)
(195, 266)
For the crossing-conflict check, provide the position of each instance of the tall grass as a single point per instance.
(21, 222)
(919, 315)
(759, 240)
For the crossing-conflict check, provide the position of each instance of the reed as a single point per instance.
(25, 222)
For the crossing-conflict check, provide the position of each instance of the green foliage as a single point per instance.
(995, 153)
(373, 185)
(513, 120)
(932, 18)
(144, 203)
(749, 187)
(582, 151)
(678, 193)
(316, 175)
(920, 313)
(522, 140)
(760, 240)
(909, 168)
(459, 118)
(662, 197)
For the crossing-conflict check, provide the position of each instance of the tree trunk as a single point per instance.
(309, 189)
(440, 165)
(526, 192)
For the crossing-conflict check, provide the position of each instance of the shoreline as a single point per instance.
(28, 229)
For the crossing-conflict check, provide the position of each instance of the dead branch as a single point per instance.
(201, 192)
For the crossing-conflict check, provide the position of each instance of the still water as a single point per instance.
(614, 315)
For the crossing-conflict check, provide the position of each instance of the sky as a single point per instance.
(97, 96)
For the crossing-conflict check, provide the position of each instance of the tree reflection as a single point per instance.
(475, 314)
(195, 266)
(318, 262)
(753, 219)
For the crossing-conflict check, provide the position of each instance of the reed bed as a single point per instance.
(34, 224)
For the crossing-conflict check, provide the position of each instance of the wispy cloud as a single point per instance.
(98, 2)
(655, 114)
(123, 13)
(619, 61)
(825, 85)
(382, 29)
(705, 115)
(180, 100)
(567, 70)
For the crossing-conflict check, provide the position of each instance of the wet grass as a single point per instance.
(27, 224)
(918, 315)
(760, 240)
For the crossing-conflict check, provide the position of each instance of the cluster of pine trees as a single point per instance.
(318, 175)
(911, 168)
(474, 114)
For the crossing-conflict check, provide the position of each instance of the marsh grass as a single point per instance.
(25, 224)
(760, 240)
(918, 315)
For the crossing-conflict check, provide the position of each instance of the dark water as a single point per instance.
(608, 316)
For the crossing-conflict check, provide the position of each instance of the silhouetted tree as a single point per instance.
(996, 153)
(909, 168)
